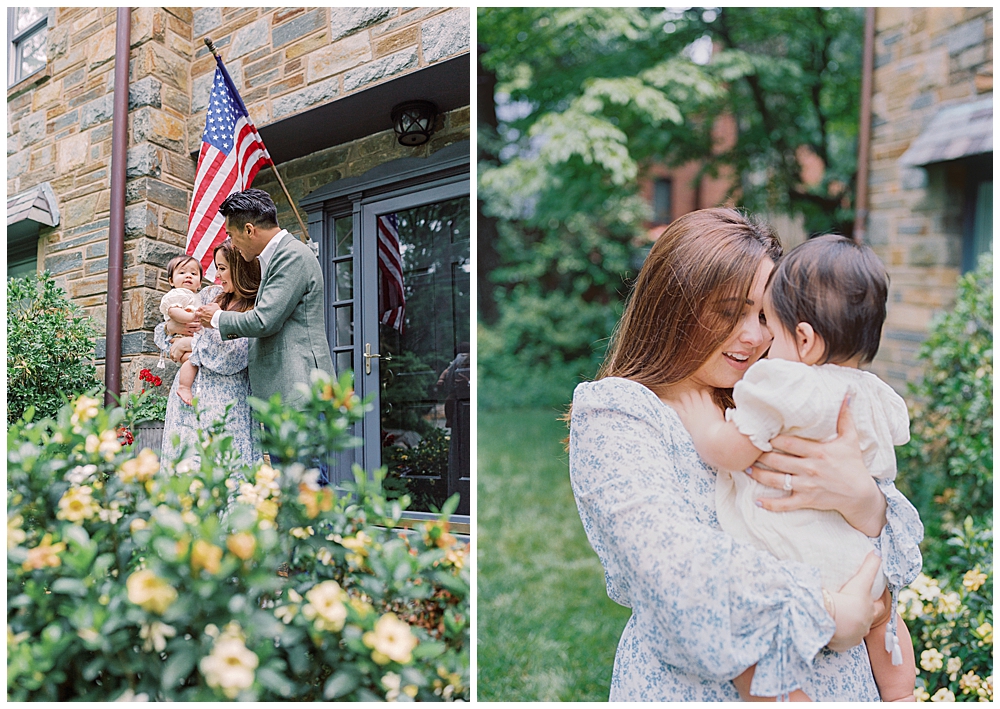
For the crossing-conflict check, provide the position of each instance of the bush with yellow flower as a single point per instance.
(950, 619)
(210, 581)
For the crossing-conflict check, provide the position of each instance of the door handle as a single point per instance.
(369, 356)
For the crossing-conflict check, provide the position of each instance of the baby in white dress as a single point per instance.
(825, 305)
(179, 305)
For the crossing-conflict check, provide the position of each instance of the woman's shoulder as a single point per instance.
(210, 293)
(619, 395)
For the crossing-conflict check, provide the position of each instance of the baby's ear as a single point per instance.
(809, 344)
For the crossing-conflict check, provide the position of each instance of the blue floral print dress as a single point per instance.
(704, 607)
(222, 379)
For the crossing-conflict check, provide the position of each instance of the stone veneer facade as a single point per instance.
(925, 59)
(283, 61)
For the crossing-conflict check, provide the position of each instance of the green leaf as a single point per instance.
(273, 680)
(179, 665)
(69, 586)
(339, 684)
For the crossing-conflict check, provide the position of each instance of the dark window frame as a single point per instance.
(658, 216)
(979, 170)
(15, 44)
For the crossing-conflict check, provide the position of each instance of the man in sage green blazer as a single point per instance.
(287, 325)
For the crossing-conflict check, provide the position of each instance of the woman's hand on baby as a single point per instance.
(191, 328)
(854, 608)
(179, 347)
(824, 476)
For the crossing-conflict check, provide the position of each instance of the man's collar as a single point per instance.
(268, 252)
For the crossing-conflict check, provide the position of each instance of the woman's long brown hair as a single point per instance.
(245, 276)
(689, 297)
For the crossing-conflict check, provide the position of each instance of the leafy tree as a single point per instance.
(586, 99)
(50, 346)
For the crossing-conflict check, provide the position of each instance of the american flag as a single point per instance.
(391, 302)
(231, 154)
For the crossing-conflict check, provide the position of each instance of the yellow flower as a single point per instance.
(969, 682)
(985, 633)
(315, 501)
(909, 605)
(150, 592)
(949, 603)
(77, 504)
(205, 556)
(92, 443)
(137, 524)
(45, 554)
(84, 409)
(242, 545)
(109, 444)
(953, 666)
(943, 695)
(287, 612)
(391, 640)
(456, 557)
(326, 606)
(143, 467)
(324, 556)
(230, 667)
(920, 694)
(926, 587)
(931, 660)
(155, 635)
(973, 579)
(15, 535)
(301, 532)
(357, 543)
(267, 509)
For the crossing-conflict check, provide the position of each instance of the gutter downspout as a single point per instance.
(865, 127)
(116, 226)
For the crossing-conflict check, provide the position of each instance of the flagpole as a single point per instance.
(274, 168)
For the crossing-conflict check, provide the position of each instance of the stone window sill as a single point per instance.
(36, 79)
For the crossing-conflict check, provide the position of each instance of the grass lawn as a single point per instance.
(546, 629)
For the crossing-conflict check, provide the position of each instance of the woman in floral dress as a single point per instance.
(705, 609)
(222, 367)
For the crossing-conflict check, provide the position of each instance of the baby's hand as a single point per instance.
(697, 408)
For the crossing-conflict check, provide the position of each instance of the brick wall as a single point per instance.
(925, 59)
(283, 60)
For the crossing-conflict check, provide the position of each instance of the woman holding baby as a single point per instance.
(716, 616)
(218, 368)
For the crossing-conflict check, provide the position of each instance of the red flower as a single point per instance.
(126, 436)
(157, 381)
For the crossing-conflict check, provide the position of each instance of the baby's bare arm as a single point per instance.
(179, 314)
(743, 687)
(717, 441)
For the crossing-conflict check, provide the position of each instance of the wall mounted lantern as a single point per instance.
(413, 122)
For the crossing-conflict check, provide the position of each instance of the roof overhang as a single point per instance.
(37, 204)
(956, 132)
(365, 112)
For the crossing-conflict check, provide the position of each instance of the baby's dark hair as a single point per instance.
(837, 286)
(178, 261)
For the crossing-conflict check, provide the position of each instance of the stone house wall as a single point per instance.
(283, 61)
(925, 59)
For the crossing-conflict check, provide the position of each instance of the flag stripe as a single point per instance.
(231, 155)
(392, 299)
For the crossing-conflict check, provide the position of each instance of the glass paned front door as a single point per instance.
(423, 348)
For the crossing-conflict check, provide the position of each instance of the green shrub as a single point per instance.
(951, 621)
(50, 346)
(947, 467)
(541, 348)
(215, 582)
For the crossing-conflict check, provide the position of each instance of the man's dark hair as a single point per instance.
(250, 206)
(837, 286)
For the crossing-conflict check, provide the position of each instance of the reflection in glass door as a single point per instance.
(423, 351)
